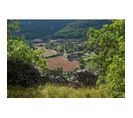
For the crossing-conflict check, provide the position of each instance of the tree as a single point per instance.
(19, 51)
(108, 44)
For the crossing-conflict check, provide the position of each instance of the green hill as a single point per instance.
(34, 29)
(66, 29)
(78, 28)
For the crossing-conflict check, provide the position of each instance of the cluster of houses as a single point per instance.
(61, 59)
(57, 60)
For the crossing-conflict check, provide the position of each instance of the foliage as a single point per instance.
(108, 44)
(13, 26)
(18, 48)
(108, 57)
(22, 57)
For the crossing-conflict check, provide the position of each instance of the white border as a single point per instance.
(66, 9)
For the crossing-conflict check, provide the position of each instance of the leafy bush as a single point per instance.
(108, 44)
(19, 49)
(21, 56)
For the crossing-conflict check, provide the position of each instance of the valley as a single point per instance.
(66, 58)
(63, 53)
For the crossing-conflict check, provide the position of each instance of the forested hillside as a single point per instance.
(34, 29)
(78, 28)
(44, 29)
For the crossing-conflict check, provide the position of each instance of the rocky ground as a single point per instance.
(26, 75)
(79, 78)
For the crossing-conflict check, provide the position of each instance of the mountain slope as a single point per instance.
(66, 29)
(78, 28)
(33, 29)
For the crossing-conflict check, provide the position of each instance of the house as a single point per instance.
(52, 41)
(38, 41)
(73, 56)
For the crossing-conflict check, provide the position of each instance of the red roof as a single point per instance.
(61, 61)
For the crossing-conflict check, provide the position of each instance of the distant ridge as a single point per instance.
(38, 29)
(78, 28)
(66, 29)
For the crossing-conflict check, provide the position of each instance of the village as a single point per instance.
(62, 54)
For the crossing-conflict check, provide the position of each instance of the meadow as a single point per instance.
(55, 91)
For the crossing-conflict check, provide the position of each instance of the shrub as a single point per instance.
(22, 73)
(23, 61)
(109, 45)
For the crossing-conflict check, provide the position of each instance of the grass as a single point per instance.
(54, 91)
